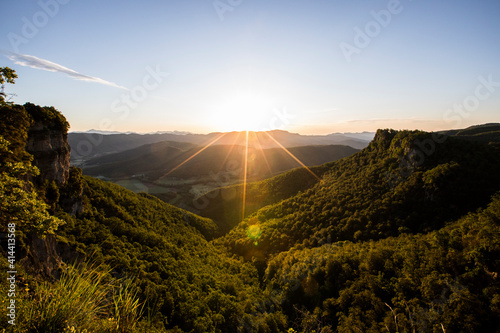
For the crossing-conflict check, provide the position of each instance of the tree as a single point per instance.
(18, 203)
(7, 75)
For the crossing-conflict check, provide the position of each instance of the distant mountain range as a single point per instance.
(94, 131)
(191, 165)
(486, 133)
(179, 172)
(88, 145)
(159, 160)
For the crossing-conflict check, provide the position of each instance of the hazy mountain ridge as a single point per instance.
(178, 174)
(90, 145)
(151, 150)
(160, 159)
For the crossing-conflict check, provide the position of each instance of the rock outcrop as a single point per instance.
(49, 146)
(42, 257)
(47, 141)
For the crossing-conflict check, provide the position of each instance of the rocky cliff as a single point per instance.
(48, 143)
(51, 152)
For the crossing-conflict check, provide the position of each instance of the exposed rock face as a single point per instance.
(384, 136)
(42, 257)
(45, 130)
(51, 151)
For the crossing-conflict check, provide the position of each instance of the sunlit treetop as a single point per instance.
(7, 75)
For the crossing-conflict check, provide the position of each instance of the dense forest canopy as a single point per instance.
(385, 190)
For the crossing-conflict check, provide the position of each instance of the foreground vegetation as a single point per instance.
(182, 282)
(447, 278)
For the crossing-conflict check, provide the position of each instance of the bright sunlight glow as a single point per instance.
(243, 112)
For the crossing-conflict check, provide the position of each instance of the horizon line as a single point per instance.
(180, 132)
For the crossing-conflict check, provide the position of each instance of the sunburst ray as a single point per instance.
(195, 154)
(262, 151)
(293, 156)
(245, 177)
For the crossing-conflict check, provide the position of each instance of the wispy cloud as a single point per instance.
(46, 65)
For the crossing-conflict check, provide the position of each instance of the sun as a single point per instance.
(243, 112)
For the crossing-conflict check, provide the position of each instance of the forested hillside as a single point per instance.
(225, 205)
(442, 281)
(393, 186)
(373, 246)
(177, 280)
(487, 133)
(186, 281)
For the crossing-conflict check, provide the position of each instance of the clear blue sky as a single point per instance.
(308, 66)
